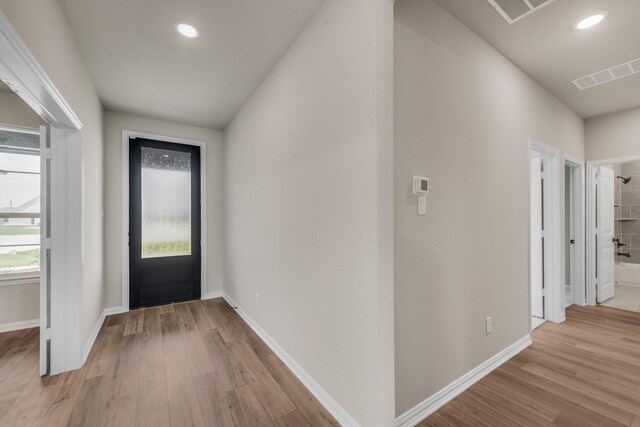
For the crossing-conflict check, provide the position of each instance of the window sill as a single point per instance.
(19, 279)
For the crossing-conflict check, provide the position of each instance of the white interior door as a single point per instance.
(45, 250)
(605, 249)
(536, 238)
(569, 234)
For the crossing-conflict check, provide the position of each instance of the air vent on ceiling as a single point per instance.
(514, 10)
(610, 74)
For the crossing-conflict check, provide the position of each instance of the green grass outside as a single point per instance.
(20, 259)
(177, 247)
(13, 230)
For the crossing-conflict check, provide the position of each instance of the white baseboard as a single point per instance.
(96, 329)
(217, 294)
(337, 411)
(427, 407)
(16, 326)
(114, 310)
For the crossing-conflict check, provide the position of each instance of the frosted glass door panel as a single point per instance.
(166, 203)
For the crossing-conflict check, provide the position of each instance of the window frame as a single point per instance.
(14, 279)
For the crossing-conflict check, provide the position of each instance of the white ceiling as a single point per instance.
(141, 65)
(546, 46)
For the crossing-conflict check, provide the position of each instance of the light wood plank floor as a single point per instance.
(190, 364)
(584, 372)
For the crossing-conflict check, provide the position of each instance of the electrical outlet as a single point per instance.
(488, 325)
(257, 298)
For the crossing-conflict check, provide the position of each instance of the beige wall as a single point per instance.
(18, 302)
(463, 117)
(306, 218)
(15, 112)
(114, 124)
(613, 135)
(44, 29)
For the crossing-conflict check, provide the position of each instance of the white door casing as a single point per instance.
(605, 249)
(45, 249)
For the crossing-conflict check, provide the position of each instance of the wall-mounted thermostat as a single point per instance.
(421, 189)
(420, 186)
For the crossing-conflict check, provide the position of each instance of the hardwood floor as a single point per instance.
(190, 364)
(199, 364)
(584, 372)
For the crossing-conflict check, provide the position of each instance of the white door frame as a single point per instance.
(578, 264)
(590, 222)
(554, 282)
(126, 134)
(20, 70)
(45, 249)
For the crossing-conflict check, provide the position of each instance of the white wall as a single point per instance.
(114, 124)
(308, 206)
(463, 117)
(18, 302)
(613, 135)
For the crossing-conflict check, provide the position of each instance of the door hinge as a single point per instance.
(46, 243)
(46, 153)
(47, 334)
(544, 294)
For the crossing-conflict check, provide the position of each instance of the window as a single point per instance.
(166, 203)
(19, 203)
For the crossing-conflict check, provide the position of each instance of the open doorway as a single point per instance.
(614, 229)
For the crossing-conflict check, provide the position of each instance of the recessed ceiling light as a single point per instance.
(591, 20)
(187, 29)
